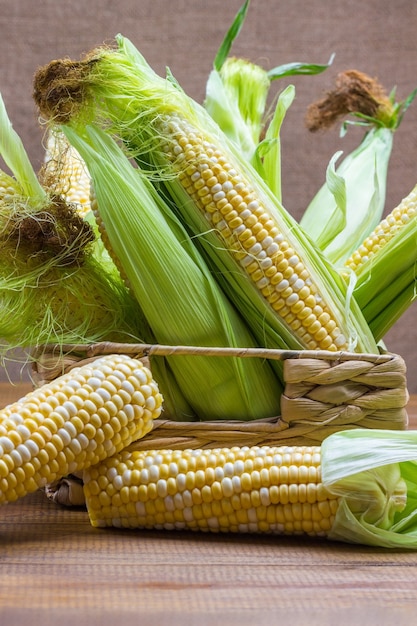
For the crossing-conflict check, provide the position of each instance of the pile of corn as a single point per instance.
(162, 221)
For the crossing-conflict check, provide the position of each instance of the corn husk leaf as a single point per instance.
(269, 149)
(15, 156)
(177, 294)
(224, 108)
(375, 473)
(364, 172)
(336, 184)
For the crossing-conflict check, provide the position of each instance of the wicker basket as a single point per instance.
(324, 392)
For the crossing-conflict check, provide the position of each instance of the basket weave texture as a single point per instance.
(324, 392)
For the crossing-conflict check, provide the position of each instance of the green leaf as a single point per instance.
(231, 35)
(16, 158)
(293, 69)
(270, 148)
(405, 105)
(374, 473)
(337, 220)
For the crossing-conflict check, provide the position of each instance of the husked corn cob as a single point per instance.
(180, 298)
(384, 232)
(92, 412)
(66, 173)
(248, 489)
(232, 207)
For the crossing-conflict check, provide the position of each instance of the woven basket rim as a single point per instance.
(276, 430)
(154, 349)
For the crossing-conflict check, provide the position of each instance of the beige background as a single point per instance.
(375, 36)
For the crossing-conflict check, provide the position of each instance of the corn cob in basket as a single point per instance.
(262, 260)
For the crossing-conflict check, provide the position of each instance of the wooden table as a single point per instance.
(55, 568)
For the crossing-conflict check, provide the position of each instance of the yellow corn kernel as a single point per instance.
(283, 495)
(42, 437)
(385, 231)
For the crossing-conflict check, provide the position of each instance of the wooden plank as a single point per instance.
(64, 566)
(56, 565)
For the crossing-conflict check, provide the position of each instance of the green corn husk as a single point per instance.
(351, 202)
(120, 90)
(236, 97)
(375, 474)
(387, 282)
(339, 218)
(179, 298)
(236, 100)
(54, 285)
(391, 307)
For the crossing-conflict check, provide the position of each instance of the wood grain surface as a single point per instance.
(55, 568)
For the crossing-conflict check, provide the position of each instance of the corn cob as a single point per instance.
(354, 493)
(272, 261)
(383, 269)
(288, 293)
(257, 489)
(65, 173)
(76, 421)
(55, 283)
(388, 228)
